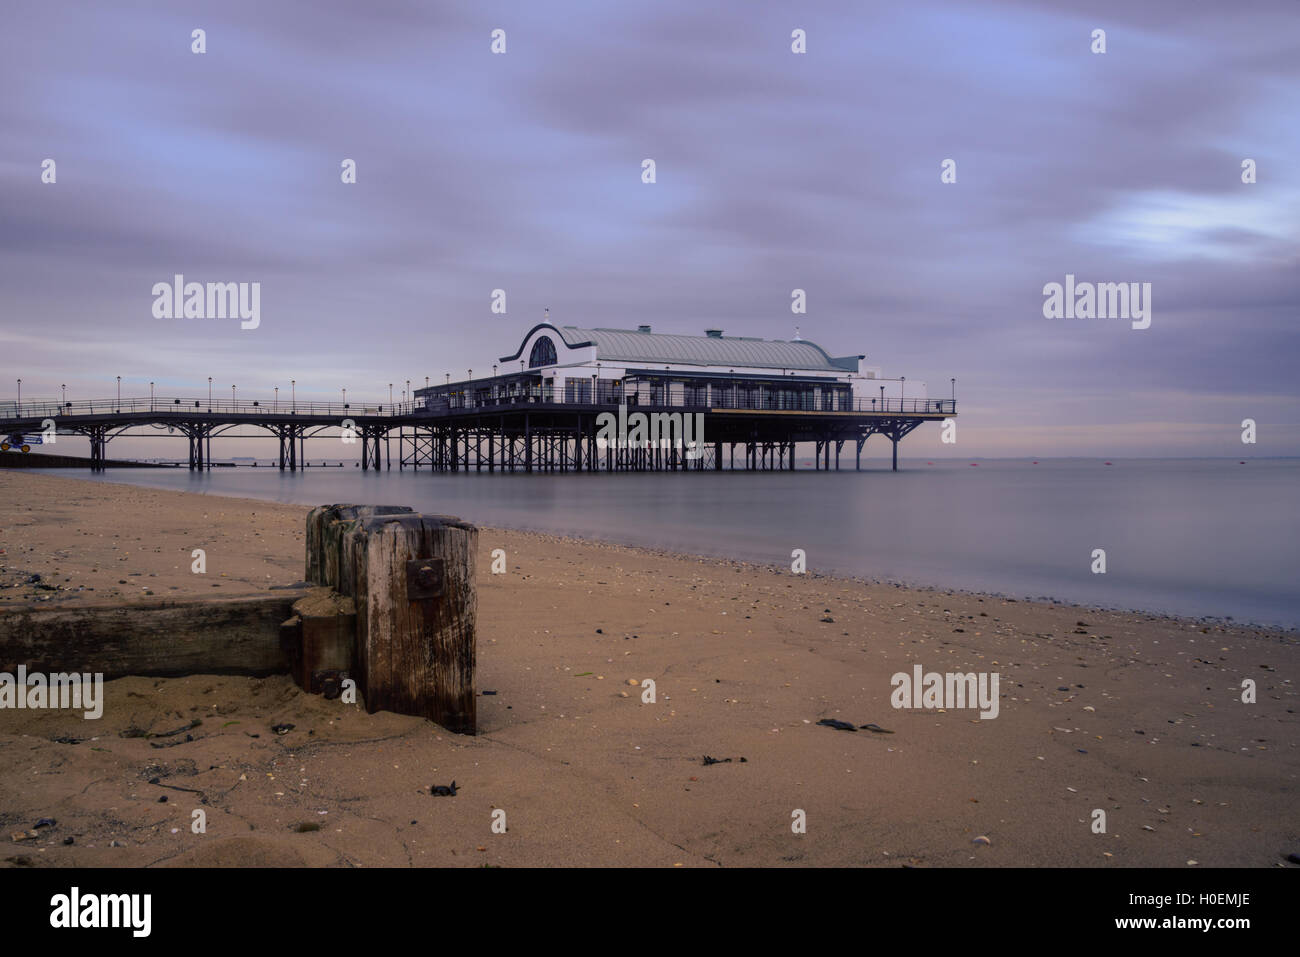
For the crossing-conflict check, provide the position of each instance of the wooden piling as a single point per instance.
(413, 583)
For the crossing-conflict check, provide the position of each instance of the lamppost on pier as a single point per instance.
(64, 387)
(209, 393)
(20, 396)
(954, 394)
(345, 397)
(293, 395)
(119, 394)
(902, 388)
(232, 398)
(150, 396)
(277, 398)
(390, 395)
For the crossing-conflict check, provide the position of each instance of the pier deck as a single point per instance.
(521, 433)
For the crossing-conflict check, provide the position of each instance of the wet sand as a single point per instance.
(1138, 716)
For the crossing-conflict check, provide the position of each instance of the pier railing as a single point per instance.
(723, 400)
(170, 404)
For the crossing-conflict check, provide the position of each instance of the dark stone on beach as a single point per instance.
(959, 629)
(441, 790)
(284, 728)
(487, 692)
(46, 822)
(837, 725)
(875, 728)
(306, 826)
(66, 740)
(162, 799)
(828, 620)
(155, 780)
(69, 840)
(1063, 688)
(600, 631)
(708, 760)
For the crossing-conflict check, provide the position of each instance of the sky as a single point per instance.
(775, 170)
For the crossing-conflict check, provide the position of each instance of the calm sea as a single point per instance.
(1194, 537)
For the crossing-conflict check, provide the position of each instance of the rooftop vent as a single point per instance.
(642, 328)
(713, 333)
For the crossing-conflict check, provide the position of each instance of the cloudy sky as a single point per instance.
(775, 171)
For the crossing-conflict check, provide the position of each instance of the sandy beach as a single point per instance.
(1137, 716)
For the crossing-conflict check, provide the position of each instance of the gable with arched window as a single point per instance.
(543, 353)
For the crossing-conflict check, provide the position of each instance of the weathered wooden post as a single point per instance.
(412, 580)
(326, 526)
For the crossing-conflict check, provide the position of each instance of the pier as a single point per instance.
(520, 432)
(553, 413)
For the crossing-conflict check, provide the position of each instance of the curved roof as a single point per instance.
(631, 346)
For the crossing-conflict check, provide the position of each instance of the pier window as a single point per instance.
(543, 353)
(577, 390)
